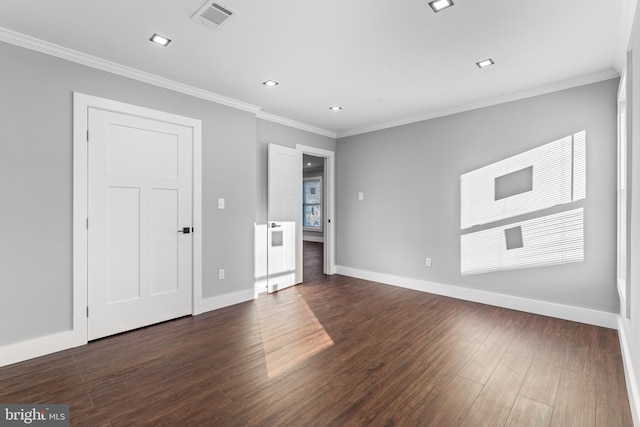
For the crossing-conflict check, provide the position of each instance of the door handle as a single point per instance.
(274, 225)
(185, 230)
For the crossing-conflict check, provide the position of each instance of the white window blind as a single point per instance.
(622, 238)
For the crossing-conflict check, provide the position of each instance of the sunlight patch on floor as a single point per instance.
(285, 346)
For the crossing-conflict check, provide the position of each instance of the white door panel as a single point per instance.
(140, 196)
(123, 244)
(284, 226)
(165, 244)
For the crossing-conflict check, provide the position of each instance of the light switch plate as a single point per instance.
(220, 203)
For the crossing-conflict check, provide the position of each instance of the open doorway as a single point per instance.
(323, 160)
(313, 216)
(273, 234)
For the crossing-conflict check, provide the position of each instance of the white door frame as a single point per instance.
(329, 258)
(81, 105)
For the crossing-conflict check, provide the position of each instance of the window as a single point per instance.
(312, 204)
(623, 204)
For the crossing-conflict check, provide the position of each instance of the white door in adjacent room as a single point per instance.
(140, 190)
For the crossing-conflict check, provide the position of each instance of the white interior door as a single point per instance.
(139, 222)
(284, 225)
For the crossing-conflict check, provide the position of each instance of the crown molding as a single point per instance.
(294, 124)
(555, 87)
(32, 43)
(38, 45)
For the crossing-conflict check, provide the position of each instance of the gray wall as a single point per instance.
(36, 186)
(270, 132)
(410, 177)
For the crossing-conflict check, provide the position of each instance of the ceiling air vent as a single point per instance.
(212, 14)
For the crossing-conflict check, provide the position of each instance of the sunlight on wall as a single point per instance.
(551, 239)
(550, 175)
(557, 176)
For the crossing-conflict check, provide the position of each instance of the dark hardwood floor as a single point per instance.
(341, 352)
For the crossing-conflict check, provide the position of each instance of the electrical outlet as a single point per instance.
(427, 262)
(360, 195)
(221, 274)
(220, 203)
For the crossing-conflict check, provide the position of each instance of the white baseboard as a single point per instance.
(318, 239)
(36, 347)
(221, 301)
(576, 314)
(633, 383)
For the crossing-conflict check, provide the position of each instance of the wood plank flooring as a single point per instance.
(337, 351)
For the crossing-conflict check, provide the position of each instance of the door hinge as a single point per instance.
(87, 135)
(87, 311)
(87, 223)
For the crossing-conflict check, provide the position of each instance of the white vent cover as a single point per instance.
(212, 14)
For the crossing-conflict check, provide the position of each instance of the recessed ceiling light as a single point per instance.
(158, 39)
(485, 63)
(335, 108)
(438, 5)
(270, 83)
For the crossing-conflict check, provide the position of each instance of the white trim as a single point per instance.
(294, 124)
(625, 30)
(36, 347)
(576, 314)
(32, 43)
(317, 239)
(226, 300)
(633, 382)
(330, 203)
(593, 78)
(81, 105)
(197, 219)
(80, 216)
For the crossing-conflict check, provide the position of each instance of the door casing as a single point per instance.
(329, 258)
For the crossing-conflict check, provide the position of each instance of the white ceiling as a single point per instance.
(384, 62)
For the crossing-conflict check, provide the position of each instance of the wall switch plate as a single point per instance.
(427, 262)
(221, 274)
(361, 196)
(220, 203)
